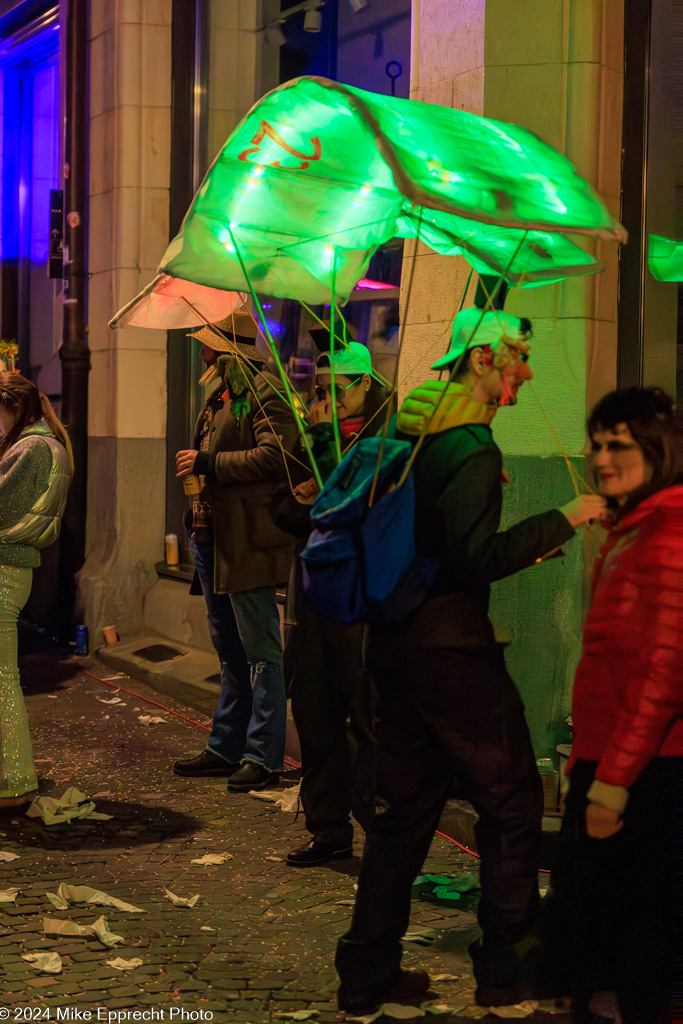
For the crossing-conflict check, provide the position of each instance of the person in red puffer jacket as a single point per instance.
(616, 869)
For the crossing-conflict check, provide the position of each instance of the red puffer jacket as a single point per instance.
(627, 692)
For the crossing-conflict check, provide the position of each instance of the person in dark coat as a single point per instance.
(327, 684)
(615, 876)
(447, 705)
(241, 556)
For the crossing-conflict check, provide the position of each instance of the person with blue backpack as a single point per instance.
(326, 686)
(447, 707)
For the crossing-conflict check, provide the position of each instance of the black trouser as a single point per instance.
(443, 714)
(327, 689)
(612, 900)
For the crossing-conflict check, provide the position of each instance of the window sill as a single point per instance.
(184, 573)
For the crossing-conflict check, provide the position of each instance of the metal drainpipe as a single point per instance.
(74, 351)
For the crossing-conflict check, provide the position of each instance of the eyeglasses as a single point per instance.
(322, 392)
(522, 356)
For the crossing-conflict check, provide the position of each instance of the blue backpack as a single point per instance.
(360, 561)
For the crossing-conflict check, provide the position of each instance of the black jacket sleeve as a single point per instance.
(468, 516)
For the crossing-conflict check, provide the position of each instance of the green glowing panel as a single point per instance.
(665, 258)
(318, 175)
(540, 257)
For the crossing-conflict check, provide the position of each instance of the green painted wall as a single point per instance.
(539, 610)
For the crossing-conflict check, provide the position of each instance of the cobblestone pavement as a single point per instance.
(259, 942)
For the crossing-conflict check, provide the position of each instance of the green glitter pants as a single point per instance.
(17, 771)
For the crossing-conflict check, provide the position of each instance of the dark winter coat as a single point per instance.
(245, 480)
(627, 692)
(459, 495)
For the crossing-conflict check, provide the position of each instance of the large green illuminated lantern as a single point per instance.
(319, 174)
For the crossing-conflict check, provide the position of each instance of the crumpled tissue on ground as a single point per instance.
(99, 928)
(7, 856)
(120, 964)
(85, 894)
(181, 901)
(422, 936)
(9, 895)
(71, 804)
(51, 963)
(212, 858)
(285, 799)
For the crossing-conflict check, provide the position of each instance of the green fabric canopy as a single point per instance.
(665, 258)
(319, 174)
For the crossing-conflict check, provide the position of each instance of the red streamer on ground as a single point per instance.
(170, 711)
(200, 725)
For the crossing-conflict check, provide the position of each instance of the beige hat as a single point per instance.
(474, 328)
(244, 329)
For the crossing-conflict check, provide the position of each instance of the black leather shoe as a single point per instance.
(251, 775)
(317, 853)
(205, 765)
(409, 988)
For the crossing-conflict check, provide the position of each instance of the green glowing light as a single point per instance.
(317, 166)
(665, 258)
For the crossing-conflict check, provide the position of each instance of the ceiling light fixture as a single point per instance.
(313, 20)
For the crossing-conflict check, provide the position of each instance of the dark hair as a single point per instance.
(28, 404)
(375, 398)
(650, 415)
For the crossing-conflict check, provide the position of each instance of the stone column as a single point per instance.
(130, 117)
(554, 67)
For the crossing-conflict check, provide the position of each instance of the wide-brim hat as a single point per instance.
(474, 329)
(241, 331)
(351, 361)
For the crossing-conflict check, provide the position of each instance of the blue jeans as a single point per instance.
(251, 715)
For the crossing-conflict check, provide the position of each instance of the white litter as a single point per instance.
(71, 804)
(57, 902)
(55, 811)
(181, 901)
(124, 965)
(524, 1009)
(422, 936)
(286, 799)
(212, 858)
(151, 720)
(396, 1010)
(297, 1015)
(99, 928)
(51, 963)
(205, 928)
(112, 700)
(7, 856)
(85, 894)
(9, 895)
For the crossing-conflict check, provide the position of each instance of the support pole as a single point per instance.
(74, 351)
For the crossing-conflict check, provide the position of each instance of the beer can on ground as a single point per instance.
(81, 641)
